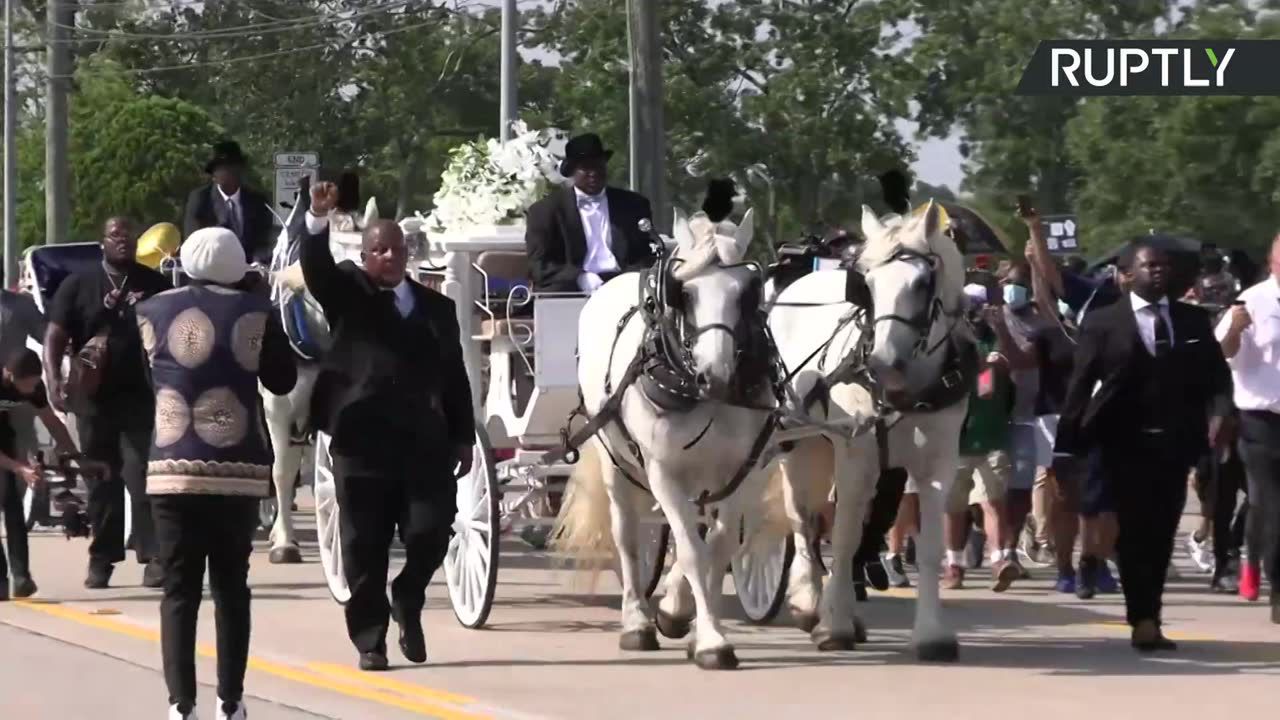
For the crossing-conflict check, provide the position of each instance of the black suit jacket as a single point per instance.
(557, 244)
(391, 389)
(1108, 353)
(206, 208)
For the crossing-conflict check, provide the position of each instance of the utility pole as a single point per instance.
(10, 154)
(508, 107)
(648, 139)
(57, 189)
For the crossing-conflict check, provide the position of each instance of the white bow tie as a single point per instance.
(589, 201)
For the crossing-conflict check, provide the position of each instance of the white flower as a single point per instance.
(488, 183)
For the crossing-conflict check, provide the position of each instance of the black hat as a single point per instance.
(225, 153)
(583, 147)
(894, 187)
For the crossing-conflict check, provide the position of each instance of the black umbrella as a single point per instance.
(973, 233)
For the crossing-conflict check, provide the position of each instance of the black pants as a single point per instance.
(190, 530)
(15, 528)
(1148, 484)
(123, 442)
(1217, 485)
(421, 503)
(1260, 446)
(880, 515)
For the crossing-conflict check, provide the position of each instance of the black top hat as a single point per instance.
(225, 153)
(584, 147)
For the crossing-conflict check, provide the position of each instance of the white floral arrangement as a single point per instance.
(490, 183)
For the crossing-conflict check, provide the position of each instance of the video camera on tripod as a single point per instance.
(67, 496)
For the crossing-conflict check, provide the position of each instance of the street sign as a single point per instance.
(1061, 234)
(291, 167)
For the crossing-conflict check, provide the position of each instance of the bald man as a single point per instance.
(394, 397)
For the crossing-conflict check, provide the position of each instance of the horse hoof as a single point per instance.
(645, 640)
(938, 651)
(859, 631)
(838, 643)
(718, 659)
(285, 555)
(671, 626)
(805, 621)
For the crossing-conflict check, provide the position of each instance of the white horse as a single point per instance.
(677, 455)
(287, 415)
(916, 335)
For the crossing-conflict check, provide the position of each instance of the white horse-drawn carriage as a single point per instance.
(520, 349)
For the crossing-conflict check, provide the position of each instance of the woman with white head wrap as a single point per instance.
(209, 345)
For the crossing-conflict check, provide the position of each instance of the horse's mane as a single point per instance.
(713, 242)
(907, 233)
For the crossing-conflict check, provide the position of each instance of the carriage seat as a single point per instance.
(505, 271)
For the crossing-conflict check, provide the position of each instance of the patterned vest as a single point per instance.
(203, 342)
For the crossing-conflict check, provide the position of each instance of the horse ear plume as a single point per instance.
(718, 203)
(893, 186)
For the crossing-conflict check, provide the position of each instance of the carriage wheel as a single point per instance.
(655, 541)
(267, 513)
(128, 519)
(35, 505)
(760, 569)
(471, 563)
(327, 526)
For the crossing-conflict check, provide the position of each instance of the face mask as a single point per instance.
(1016, 295)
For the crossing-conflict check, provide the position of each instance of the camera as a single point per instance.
(69, 505)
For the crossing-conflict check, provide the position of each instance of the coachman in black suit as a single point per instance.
(585, 233)
(394, 397)
(1150, 390)
(226, 202)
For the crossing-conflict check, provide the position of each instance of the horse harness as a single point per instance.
(664, 368)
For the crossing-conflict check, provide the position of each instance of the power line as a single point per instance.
(250, 58)
(274, 26)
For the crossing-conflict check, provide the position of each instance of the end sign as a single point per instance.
(291, 167)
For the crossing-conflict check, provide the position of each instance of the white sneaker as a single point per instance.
(1201, 553)
(176, 714)
(237, 713)
(894, 569)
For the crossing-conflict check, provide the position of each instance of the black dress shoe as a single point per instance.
(99, 577)
(413, 644)
(153, 575)
(876, 575)
(24, 587)
(1147, 637)
(373, 661)
(1087, 578)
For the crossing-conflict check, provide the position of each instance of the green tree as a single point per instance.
(133, 154)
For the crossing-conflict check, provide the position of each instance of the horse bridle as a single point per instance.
(682, 333)
(922, 322)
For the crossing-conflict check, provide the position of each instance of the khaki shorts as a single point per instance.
(980, 479)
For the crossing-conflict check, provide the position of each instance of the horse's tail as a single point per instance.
(583, 531)
(773, 525)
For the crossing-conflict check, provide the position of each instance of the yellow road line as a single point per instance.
(1171, 634)
(326, 676)
(386, 683)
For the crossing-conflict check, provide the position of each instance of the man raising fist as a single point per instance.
(394, 397)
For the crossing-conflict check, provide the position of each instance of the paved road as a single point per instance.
(550, 652)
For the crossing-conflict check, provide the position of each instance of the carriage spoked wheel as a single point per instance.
(760, 571)
(35, 505)
(327, 525)
(471, 562)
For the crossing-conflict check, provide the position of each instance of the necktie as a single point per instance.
(233, 218)
(1164, 342)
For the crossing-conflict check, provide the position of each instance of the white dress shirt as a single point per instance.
(404, 294)
(1147, 320)
(234, 201)
(594, 211)
(1256, 366)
